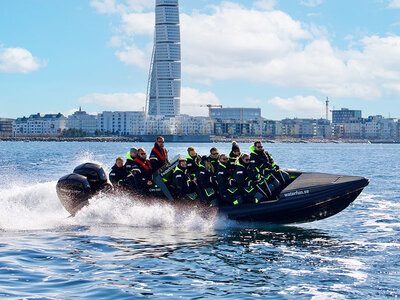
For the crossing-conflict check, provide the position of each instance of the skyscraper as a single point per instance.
(165, 72)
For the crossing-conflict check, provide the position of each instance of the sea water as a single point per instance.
(120, 248)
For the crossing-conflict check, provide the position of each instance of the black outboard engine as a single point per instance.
(95, 175)
(74, 190)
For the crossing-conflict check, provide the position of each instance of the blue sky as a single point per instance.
(284, 56)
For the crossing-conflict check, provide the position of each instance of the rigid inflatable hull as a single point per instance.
(311, 197)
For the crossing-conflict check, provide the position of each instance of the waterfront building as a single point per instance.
(165, 72)
(236, 121)
(270, 128)
(323, 128)
(191, 125)
(235, 114)
(398, 130)
(354, 128)
(344, 115)
(299, 127)
(378, 127)
(6, 126)
(121, 122)
(49, 124)
(81, 120)
(136, 123)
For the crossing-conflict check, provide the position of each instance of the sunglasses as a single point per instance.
(160, 142)
(143, 153)
(215, 153)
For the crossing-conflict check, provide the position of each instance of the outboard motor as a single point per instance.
(74, 190)
(95, 175)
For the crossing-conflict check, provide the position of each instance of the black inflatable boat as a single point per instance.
(308, 197)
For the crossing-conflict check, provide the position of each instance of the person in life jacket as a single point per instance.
(214, 159)
(228, 191)
(206, 182)
(192, 162)
(234, 156)
(186, 188)
(158, 156)
(118, 173)
(142, 172)
(130, 157)
(251, 185)
(263, 163)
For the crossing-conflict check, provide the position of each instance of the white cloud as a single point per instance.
(299, 106)
(193, 101)
(104, 6)
(268, 46)
(265, 4)
(18, 60)
(394, 4)
(138, 23)
(311, 3)
(133, 55)
(117, 101)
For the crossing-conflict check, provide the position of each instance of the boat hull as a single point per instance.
(301, 204)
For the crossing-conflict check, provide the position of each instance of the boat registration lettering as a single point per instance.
(297, 193)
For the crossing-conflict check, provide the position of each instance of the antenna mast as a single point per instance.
(327, 108)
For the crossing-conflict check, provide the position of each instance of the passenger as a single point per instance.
(228, 191)
(130, 157)
(246, 180)
(192, 162)
(262, 162)
(118, 173)
(214, 159)
(206, 182)
(142, 172)
(186, 188)
(234, 156)
(158, 156)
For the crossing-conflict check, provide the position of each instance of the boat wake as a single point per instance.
(37, 207)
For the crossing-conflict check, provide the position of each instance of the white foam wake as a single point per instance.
(37, 207)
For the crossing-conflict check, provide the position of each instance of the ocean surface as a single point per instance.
(117, 248)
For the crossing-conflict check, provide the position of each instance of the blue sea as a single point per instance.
(118, 248)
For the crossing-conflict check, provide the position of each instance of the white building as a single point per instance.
(121, 122)
(49, 124)
(81, 120)
(380, 127)
(136, 123)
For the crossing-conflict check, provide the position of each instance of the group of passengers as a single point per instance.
(216, 179)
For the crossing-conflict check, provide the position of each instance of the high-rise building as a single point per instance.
(165, 72)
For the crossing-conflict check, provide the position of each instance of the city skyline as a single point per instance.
(282, 57)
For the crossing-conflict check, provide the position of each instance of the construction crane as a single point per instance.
(209, 108)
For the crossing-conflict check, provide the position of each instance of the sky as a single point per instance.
(283, 56)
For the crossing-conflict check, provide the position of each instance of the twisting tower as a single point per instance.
(164, 86)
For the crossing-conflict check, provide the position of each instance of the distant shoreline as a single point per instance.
(214, 139)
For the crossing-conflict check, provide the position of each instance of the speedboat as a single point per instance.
(307, 197)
